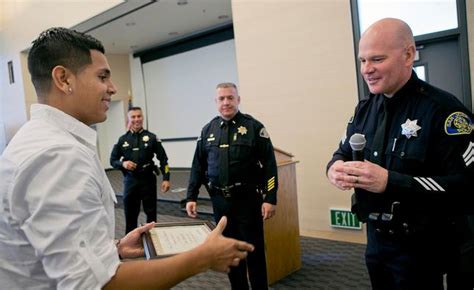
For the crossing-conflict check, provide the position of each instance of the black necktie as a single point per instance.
(378, 145)
(135, 147)
(224, 155)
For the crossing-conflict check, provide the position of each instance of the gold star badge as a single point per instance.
(242, 130)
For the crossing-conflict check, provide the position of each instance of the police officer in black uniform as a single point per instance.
(417, 174)
(133, 155)
(234, 159)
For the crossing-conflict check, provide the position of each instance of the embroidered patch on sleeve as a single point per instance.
(458, 123)
(264, 133)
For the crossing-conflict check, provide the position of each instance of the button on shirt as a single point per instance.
(57, 216)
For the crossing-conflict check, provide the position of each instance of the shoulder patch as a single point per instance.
(458, 123)
(264, 133)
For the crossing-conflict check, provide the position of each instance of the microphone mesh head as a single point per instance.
(357, 142)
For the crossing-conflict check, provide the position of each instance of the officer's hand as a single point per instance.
(268, 210)
(366, 175)
(165, 186)
(338, 177)
(129, 165)
(131, 246)
(191, 209)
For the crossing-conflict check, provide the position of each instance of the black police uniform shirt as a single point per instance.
(140, 147)
(251, 157)
(429, 152)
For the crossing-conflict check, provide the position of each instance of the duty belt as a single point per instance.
(226, 191)
(390, 223)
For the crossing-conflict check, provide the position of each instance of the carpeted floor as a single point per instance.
(325, 264)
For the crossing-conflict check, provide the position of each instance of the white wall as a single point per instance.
(22, 22)
(108, 132)
(180, 88)
(180, 92)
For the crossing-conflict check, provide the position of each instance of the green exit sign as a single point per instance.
(341, 218)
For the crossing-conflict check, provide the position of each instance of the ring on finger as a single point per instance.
(356, 180)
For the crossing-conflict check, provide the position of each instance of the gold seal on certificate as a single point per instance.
(167, 239)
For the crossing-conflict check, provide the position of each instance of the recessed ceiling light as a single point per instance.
(223, 17)
(182, 2)
(130, 24)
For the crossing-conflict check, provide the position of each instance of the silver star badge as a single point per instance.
(409, 128)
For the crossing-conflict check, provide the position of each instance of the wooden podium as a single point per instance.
(282, 233)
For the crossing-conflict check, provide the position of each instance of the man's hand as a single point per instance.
(337, 176)
(165, 186)
(268, 210)
(365, 175)
(191, 209)
(357, 174)
(131, 245)
(224, 252)
(129, 165)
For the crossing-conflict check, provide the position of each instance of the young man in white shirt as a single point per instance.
(57, 215)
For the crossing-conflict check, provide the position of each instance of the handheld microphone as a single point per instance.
(357, 143)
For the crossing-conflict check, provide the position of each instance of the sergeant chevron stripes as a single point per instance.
(468, 155)
(271, 183)
(429, 184)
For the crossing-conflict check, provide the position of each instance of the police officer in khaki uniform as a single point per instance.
(133, 155)
(234, 159)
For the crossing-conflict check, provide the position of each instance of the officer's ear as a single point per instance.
(409, 54)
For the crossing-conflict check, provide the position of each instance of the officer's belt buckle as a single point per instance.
(226, 191)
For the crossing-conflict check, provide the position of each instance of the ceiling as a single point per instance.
(135, 26)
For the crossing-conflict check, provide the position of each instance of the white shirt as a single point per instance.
(57, 213)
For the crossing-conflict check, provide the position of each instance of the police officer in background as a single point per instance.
(418, 167)
(133, 155)
(234, 159)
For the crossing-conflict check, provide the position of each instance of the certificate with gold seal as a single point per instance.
(171, 238)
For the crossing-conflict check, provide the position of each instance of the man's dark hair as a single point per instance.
(134, 109)
(59, 46)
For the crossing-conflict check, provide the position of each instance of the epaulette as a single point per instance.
(443, 98)
(210, 122)
(150, 133)
(247, 116)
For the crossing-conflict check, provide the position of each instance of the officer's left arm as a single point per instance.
(452, 155)
(116, 156)
(161, 155)
(266, 156)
